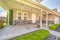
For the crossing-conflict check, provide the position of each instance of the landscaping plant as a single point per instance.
(54, 26)
(2, 25)
(10, 16)
(37, 35)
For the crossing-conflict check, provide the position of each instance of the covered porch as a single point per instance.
(32, 13)
(42, 18)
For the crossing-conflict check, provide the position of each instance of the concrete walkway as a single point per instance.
(55, 33)
(13, 31)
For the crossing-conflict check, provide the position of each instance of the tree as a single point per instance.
(10, 16)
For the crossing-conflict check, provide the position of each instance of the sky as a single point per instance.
(3, 12)
(52, 4)
(48, 3)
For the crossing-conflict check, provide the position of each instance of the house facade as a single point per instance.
(32, 12)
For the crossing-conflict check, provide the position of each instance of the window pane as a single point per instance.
(36, 0)
(25, 16)
(19, 16)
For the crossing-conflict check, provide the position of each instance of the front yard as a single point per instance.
(40, 34)
(37, 35)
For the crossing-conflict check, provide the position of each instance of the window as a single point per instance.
(25, 16)
(19, 15)
(36, 0)
(39, 18)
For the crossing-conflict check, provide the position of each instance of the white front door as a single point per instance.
(33, 18)
(56, 21)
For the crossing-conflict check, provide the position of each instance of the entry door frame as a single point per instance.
(33, 18)
(56, 20)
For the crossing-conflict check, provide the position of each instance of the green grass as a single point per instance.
(37, 35)
(54, 26)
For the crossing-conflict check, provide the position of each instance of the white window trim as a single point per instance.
(26, 13)
(35, 1)
(22, 15)
(17, 13)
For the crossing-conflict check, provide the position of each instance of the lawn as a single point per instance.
(37, 35)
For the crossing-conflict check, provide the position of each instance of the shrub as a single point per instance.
(38, 35)
(2, 25)
(10, 17)
(5, 24)
(59, 25)
(54, 26)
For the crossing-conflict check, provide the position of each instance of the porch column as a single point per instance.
(54, 19)
(41, 19)
(46, 19)
(8, 17)
(59, 19)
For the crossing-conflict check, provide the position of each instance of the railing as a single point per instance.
(27, 22)
(20, 22)
(50, 22)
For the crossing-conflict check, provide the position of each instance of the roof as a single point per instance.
(8, 4)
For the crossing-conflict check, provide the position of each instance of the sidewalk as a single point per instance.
(55, 33)
(11, 32)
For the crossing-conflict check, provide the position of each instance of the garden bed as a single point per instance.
(54, 26)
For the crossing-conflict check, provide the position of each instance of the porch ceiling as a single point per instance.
(3, 5)
(9, 4)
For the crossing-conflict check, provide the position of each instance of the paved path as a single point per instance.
(13, 31)
(55, 33)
